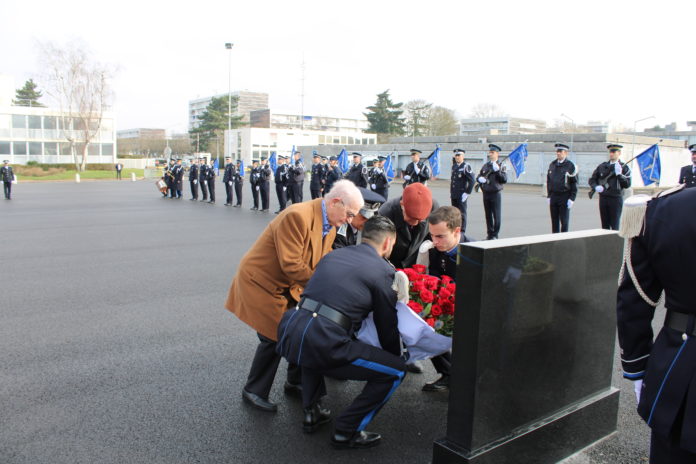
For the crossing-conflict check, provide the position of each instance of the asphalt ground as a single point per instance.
(115, 346)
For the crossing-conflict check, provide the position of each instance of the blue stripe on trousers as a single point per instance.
(385, 370)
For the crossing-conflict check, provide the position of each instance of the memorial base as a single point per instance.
(547, 441)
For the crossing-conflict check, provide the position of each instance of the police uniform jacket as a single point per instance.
(178, 173)
(281, 175)
(317, 342)
(408, 239)
(445, 263)
(687, 176)
(265, 173)
(663, 258)
(378, 178)
(210, 174)
(271, 275)
(315, 182)
(332, 176)
(561, 179)
(237, 176)
(496, 179)
(6, 173)
(461, 180)
(169, 175)
(227, 176)
(193, 172)
(423, 172)
(605, 175)
(297, 172)
(255, 176)
(203, 173)
(358, 175)
(345, 236)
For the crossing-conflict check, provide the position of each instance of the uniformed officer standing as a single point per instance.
(169, 177)
(490, 179)
(281, 183)
(297, 175)
(203, 178)
(378, 178)
(179, 178)
(662, 254)
(561, 188)
(357, 173)
(325, 167)
(610, 179)
(315, 182)
(7, 177)
(227, 180)
(211, 181)
(318, 334)
(193, 180)
(687, 175)
(254, 180)
(334, 174)
(416, 170)
(265, 175)
(461, 183)
(238, 183)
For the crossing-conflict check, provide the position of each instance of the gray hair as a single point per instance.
(347, 192)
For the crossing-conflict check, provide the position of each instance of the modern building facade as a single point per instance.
(503, 125)
(248, 102)
(270, 119)
(142, 133)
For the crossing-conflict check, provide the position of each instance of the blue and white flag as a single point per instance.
(292, 155)
(649, 164)
(241, 168)
(434, 159)
(389, 167)
(518, 159)
(343, 161)
(215, 166)
(273, 161)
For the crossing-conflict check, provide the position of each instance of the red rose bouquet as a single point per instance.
(432, 298)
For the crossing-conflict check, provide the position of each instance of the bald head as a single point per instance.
(343, 202)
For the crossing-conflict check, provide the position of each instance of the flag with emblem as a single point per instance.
(518, 159)
(649, 164)
(343, 162)
(389, 167)
(273, 161)
(434, 160)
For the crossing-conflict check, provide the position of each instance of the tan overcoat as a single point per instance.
(272, 274)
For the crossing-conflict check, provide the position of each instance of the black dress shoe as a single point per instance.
(415, 368)
(441, 384)
(258, 402)
(264, 210)
(228, 204)
(314, 417)
(293, 389)
(237, 206)
(254, 208)
(360, 439)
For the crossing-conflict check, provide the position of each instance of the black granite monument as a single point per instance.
(533, 349)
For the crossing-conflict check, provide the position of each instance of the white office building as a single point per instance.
(247, 102)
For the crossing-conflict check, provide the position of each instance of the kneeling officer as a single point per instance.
(318, 334)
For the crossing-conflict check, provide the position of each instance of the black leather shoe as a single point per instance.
(258, 402)
(415, 368)
(441, 384)
(253, 209)
(360, 439)
(237, 206)
(293, 389)
(227, 204)
(314, 417)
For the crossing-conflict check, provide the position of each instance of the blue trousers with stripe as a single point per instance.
(383, 372)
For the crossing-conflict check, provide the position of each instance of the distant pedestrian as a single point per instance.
(119, 168)
(7, 178)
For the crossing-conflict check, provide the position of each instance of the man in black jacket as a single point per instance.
(255, 181)
(610, 179)
(203, 178)
(417, 170)
(357, 172)
(378, 178)
(238, 182)
(561, 188)
(297, 175)
(334, 174)
(7, 177)
(227, 180)
(461, 183)
(687, 175)
(210, 173)
(281, 183)
(315, 182)
(193, 180)
(318, 334)
(491, 179)
(265, 175)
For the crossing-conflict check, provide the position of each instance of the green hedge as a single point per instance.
(71, 166)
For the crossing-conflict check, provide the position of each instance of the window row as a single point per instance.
(22, 121)
(53, 148)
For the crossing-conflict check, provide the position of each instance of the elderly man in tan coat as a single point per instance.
(271, 276)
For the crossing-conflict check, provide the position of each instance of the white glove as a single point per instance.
(407, 177)
(257, 188)
(415, 169)
(464, 196)
(400, 286)
(425, 246)
(617, 169)
(195, 181)
(548, 201)
(637, 388)
(374, 186)
(284, 189)
(496, 168)
(569, 204)
(599, 189)
(482, 180)
(229, 182)
(205, 182)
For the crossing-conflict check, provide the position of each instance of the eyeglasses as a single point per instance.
(349, 214)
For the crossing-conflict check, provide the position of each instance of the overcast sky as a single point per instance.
(592, 60)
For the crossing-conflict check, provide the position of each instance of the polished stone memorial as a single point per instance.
(533, 349)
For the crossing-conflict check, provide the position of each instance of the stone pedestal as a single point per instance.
(533, 349)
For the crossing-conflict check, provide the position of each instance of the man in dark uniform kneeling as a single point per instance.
(318, 334)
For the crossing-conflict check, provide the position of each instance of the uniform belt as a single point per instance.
(326, 311)
(680, 321)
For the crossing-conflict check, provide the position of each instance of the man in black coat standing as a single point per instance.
(490, 180)
(662, 255)
(297, 175)
(238, 182)
(318, 334)
(193, 180)
(610, 179)
(334, 174)
(417, 170)
(203, 179)
(227, 180)
(461, 183)
(265, 175)
(255, 181)
(561, 188)
(687, 175)
(378, 178)
(7, 176)
(316, 181)
(357, 173)
(281, 183)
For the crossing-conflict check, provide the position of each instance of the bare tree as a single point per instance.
(486, 110)
(442, 121)
(417, 116)
(80, 86)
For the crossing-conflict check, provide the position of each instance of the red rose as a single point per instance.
(432, 283)
(415, 306)
(446, 280)
(451, 288)
(419, 268)
(447, 307)
(411, 274)
(430, 321)
(444, 294)
(436, 310)
(417, 286)
(426, 296)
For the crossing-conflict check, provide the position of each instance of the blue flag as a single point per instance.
(273, 162)
(343, 161)
(241, 168)
(389, 168)
(215, 166)
(649, 164)
(434, 159)
(518, 158)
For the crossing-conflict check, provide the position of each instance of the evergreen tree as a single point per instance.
(28, 95)
(385, 116)
(213, 122)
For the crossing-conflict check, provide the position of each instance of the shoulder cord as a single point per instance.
(628, 265)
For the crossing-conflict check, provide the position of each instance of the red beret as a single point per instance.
(418, 201)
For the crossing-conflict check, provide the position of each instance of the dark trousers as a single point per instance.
(194, 190)
(7, 188)
(264, 367)
(255, 195)
(383, 373)
(492, 204)
(442, 363)
(238, 191)
(316, 193)
(667, 451)
(385, 193)
(297, 192)
(610, 211)
(211, 189)
(204, 189)
(118, 175)
(265, 194)
(461, 205)
(229, 197)
(172, 189)
(560, 214)
(281, 192)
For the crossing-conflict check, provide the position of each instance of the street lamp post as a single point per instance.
(228, 46)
